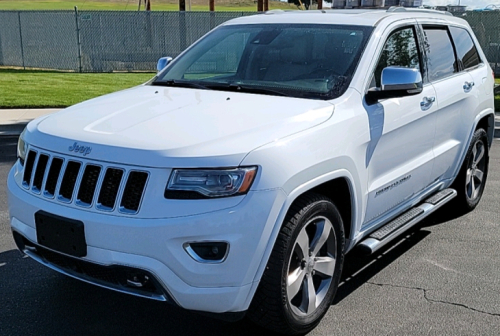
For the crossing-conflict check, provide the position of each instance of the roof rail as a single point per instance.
(417, 10)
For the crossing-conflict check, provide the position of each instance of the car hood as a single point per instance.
(156, 126)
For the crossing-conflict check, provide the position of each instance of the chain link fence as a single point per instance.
(486, 26)
(104, 41)
(100, 41)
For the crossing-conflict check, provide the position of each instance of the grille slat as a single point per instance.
(133, 192)
(40, 172)
(69, 180)
(88, 184)
(28, 169)
(109, 188)
(54, 176)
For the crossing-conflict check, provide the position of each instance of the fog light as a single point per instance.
(207, 252)
(137, 280)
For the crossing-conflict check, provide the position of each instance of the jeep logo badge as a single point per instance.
(80, 149)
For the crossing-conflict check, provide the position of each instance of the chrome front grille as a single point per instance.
(85, 184)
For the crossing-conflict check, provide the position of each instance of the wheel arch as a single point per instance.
(341, 179)
(487, 122)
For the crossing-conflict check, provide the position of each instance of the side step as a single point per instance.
(393, 229)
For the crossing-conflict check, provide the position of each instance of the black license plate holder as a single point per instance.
(61, 234)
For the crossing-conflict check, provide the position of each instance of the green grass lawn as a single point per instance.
(162, 5)
(19, 88)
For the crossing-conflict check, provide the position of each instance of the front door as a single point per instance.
(400, 154)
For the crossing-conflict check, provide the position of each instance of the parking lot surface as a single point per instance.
(441, 278)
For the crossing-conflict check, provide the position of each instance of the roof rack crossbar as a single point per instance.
(417, 10)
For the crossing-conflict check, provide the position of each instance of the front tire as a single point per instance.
(471, 179)
(303, 271)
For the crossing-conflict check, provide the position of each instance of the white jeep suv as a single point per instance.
(237, 179)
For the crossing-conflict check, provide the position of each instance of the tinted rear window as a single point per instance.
(466, 50)
(440, 53)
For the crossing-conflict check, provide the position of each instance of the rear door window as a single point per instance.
(440, 53)
(466, 49)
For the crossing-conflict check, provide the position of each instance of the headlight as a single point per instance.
(201, 183)
(22, 147)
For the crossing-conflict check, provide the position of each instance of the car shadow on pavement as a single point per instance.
(359, 268)
(8, 145)
(38, 301)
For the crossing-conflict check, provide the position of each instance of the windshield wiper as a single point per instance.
(220, 87)
(178, 83)
(244, 88)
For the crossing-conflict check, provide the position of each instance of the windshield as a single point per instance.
(296, 60)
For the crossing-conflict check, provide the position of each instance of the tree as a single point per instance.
(305, 3)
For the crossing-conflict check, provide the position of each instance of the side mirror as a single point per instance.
(397, 82)
(163, 62)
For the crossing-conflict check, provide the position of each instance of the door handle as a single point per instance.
(468, 86)
(427, 102)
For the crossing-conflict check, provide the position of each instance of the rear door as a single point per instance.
(455, 99)
(399, 157)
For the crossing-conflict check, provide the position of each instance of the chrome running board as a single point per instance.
(393, 229)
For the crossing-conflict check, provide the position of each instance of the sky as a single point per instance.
(470, 3)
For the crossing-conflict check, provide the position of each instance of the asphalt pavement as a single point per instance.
(441, 278)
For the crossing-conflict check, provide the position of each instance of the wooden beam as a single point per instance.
(212, 5)
(320, 4)
(260, 5)
(266, 5)
(182, 5)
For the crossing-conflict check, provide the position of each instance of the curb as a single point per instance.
(13, 121)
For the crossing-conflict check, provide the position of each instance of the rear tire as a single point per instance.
(303, 271)
(471, 179)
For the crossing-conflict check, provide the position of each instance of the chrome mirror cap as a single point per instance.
(401, 78)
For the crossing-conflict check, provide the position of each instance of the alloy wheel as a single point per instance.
(311, 266)
(475, 171)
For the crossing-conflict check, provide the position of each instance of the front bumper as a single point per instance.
(156, 245)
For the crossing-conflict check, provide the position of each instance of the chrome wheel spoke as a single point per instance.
(308, 303)
(295, 282)
(322, 233)
(479, 175)
(303, 244)
(471, 189)
(468, 177)
(325, 266)
(478, 156)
